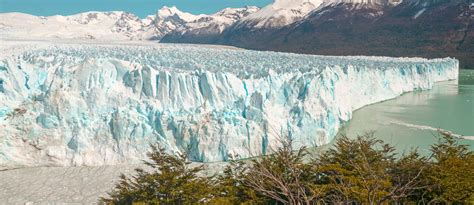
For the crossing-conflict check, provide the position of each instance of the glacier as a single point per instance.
(73, 104)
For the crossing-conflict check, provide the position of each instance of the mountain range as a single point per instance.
(425, 28)
(116, 25)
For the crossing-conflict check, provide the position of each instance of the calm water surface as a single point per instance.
(412, 119)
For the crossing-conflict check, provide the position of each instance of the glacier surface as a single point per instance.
(70, 104)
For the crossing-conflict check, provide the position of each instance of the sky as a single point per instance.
(140, 8)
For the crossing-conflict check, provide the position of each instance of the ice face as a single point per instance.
(71, 104)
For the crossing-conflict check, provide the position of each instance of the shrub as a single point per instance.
(170, 181)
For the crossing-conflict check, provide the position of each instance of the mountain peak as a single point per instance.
(168, 11)
(289, 4)
(281, 13)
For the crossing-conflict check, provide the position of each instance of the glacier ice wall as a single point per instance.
(70, 104)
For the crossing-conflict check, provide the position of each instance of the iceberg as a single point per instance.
(72, 104)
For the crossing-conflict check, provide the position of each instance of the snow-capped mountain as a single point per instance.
(166, 20)
(116, 25)
(129, 25)
(280, 13)
(359, 4)
(209, 28)
(170, 19)
(284, 12)
(119, 25)
(428, 28)
(89, 25)
(220, 20)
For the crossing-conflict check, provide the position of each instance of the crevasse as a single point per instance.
(71, 104)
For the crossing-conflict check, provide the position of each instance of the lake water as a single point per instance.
(412, 120)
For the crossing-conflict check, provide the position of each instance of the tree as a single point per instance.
(231, 187)
(365, 171)
(451, 176)
(170, 181)
(407, 177)
(283, 176)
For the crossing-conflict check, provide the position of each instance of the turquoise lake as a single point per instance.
(412, 120)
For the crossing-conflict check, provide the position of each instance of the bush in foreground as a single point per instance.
(354, 171)
(170, 181)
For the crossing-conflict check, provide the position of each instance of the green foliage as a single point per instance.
(354, 171)
(407, 174)
(451, 176)
(284, 177)
(170, 181)
(231, 187)
(365, 170)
